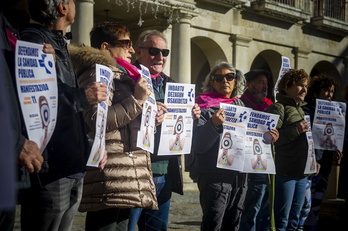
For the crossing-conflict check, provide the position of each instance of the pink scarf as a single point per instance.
(132, 70)
(12, 39)
(212, 99)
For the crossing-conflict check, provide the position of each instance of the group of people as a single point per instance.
(131, 189)
(288, 200)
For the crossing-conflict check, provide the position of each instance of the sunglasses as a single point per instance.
(229, 77)
(155, 51)
(125, 43)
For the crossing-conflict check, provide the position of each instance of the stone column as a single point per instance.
(240, 45)
(300, 54)
(345, 71)
(83, 24)
(180, 66)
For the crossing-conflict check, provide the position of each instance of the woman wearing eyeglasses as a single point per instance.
(221, 191)
(126, 181)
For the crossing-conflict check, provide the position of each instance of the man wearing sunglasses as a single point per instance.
(152, 52)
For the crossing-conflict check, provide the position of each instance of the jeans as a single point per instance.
(51, 207)
(307, 202)
(153, 220)
(289, 198)
(256, 212)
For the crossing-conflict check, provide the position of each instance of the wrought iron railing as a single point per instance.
(330, 8)
(300, 4)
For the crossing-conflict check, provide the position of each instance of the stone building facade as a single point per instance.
(249, 34)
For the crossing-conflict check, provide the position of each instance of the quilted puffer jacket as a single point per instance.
(126, 181)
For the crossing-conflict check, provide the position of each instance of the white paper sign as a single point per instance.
(258, 151)
(244, 144)
(176, 132)
(329, 125)
(105, 76)
(232, 140)
(36, 79)
(146, 134)
(285, 66)
(311, 165)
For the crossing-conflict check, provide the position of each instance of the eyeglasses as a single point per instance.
(220, 78)
(155, 51)
(125, 43)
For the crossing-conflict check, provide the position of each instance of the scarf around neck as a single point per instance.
(212, 99)
(132, 70)
(252, 102)
(12, 39)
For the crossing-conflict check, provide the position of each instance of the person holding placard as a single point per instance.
(256, 214)
(152, 52)
(55, 194)
(291, 149)
(222, 191)
(321, 87)
(126, 181)
(20, 155)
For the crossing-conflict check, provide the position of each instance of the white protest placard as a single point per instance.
(146, 134)
(232, 140)
(258, 152)
(311, 165)
(105, 76)
(176, 132)
(36, 79)
(285, 66)
(329, 125)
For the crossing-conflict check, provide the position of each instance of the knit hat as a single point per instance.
(255, 73)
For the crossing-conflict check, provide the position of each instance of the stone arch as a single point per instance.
(268, 60)
(204, 53)
(329, 69)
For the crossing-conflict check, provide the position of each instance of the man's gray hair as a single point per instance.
(45, 11)
(145, 35)
(240, 80)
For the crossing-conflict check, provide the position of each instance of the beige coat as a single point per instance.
(126, 181)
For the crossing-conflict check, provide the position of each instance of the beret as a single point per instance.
(255, 73)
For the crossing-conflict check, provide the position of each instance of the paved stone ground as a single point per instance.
(185, 214)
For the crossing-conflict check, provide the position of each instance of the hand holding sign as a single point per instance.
(141, 91)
